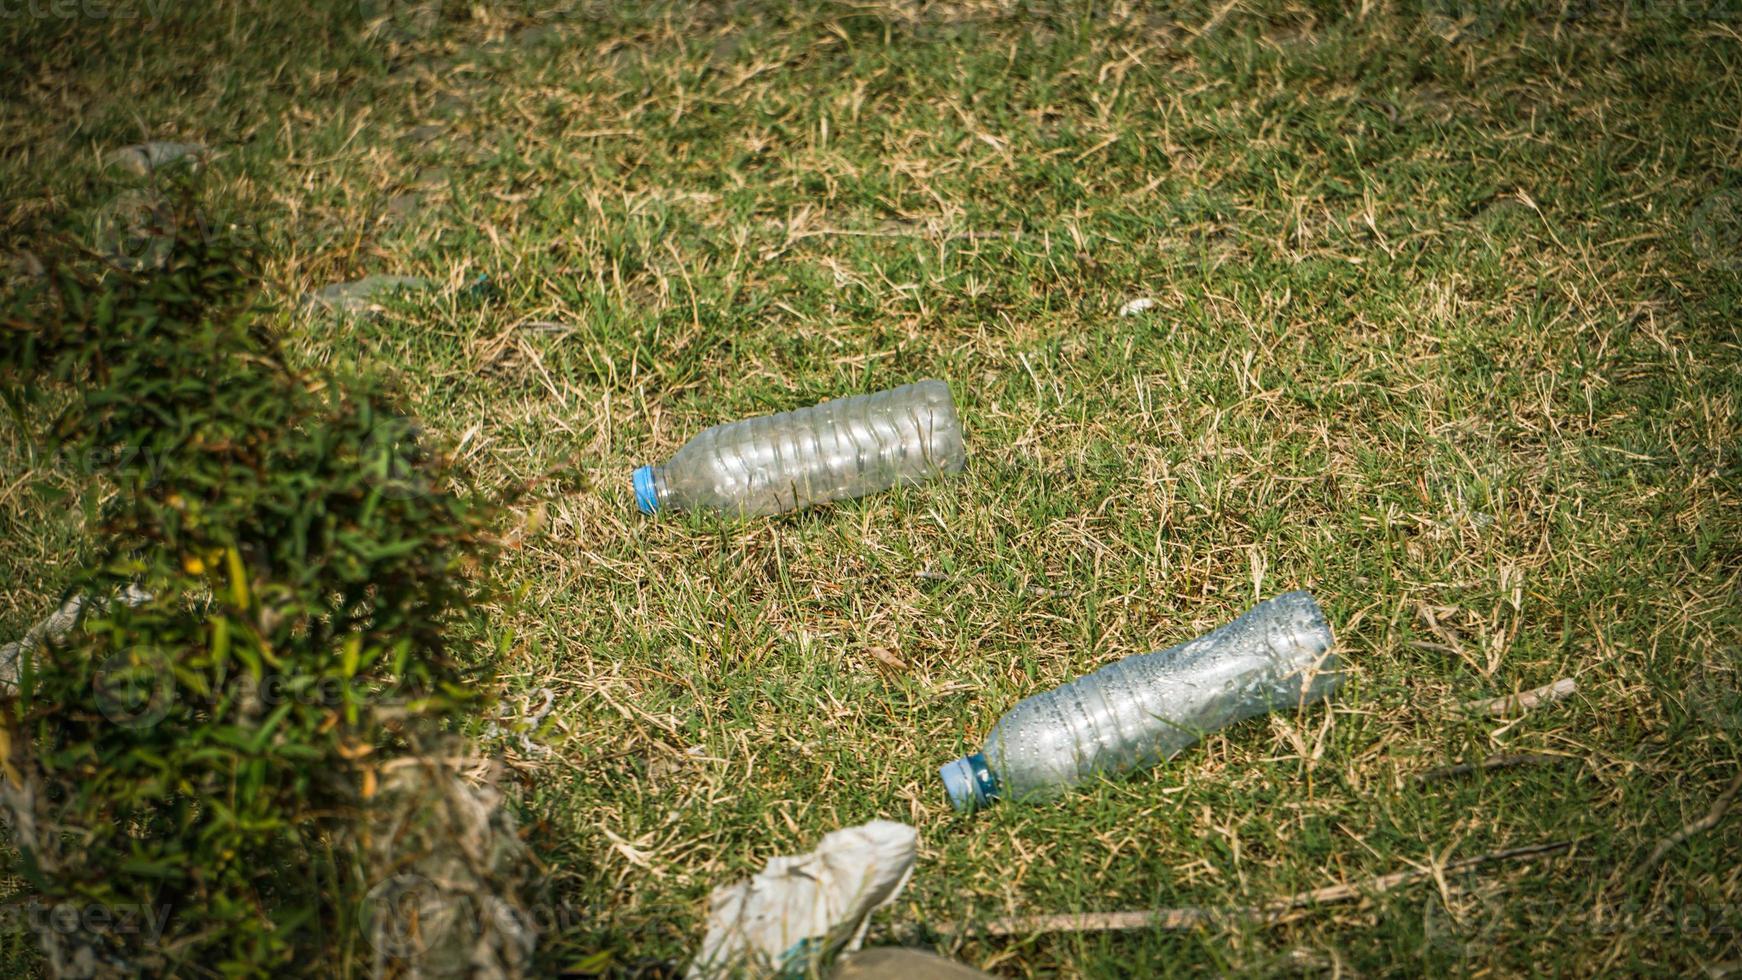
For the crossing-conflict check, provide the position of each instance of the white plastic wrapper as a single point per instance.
(800, 911)
(56, 628)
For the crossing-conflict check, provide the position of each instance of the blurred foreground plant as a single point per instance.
(266, 729)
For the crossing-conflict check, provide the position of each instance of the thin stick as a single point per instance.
(1720, 806)
(1503, 761)
(1186, 918)
(1520, 703)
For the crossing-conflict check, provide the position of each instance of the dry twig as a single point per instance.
(1502, 761)
(1713, 817)
(1186, 918)
(1520, 703)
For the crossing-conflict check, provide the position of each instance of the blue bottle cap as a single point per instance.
(969, 783)
(646, 496)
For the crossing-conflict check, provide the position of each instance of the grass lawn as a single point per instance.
(1444, 329)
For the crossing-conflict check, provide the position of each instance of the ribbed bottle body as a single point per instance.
(849, 447)
(1146, 708)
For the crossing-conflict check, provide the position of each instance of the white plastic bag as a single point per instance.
(800, 911)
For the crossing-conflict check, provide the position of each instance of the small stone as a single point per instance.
(25, 265)
(143, 158)
(536, 34)
(403, 206)
(1506, 214)
(725, 50)
(450, 104)
(897, 963)
(433, 177)
(1142, 304)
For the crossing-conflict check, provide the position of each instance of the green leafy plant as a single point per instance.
(307, 587)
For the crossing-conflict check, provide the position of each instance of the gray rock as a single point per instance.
(896, 963)
(143, 158)
(400, 207)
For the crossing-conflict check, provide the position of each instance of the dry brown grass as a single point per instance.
(1444, 332)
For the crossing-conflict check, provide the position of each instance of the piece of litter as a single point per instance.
(740, 469)
(143, 158)
(1520, 703)
(800, 911)
(361, 295)
(1139, 711)
(57, 627)
(1142, 304)
(887, 658)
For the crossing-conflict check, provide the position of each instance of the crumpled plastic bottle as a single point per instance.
(845, 448)
(1143, 709)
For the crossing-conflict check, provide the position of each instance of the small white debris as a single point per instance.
(361, 296)
(799, 911)
(1142, 304)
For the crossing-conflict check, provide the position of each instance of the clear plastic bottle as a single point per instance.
(843, 448)
(1143, 709)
